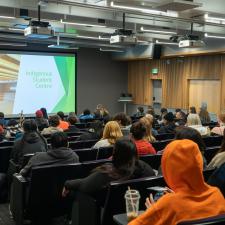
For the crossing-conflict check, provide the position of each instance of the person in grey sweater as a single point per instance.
(58, 154)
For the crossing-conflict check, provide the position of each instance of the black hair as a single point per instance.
(86, 112)
(61, 115)
(59, 139)
(54, 121)
(29, 126)
(123, 118)
(163, 110)
(123, 160)
(97, 126)
(177, 110)
(72, 120)
(12, 122)
(191, 134)
(138, 130)
(140, 109)
(2, 115)
(169, 117)
(44, 112)
(193, 110)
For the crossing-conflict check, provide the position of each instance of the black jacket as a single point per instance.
(99, 180)
(54, 156)
(41, 123)
(72, 128)
(29, 143)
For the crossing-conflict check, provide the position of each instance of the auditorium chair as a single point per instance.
(161, 137)
(160, 145)
(82, 144)
(6, 143)
(153, 160)
(110, 201)
(86, 154)
(104, 152)
(213, 140)
(81, 125)
(5, 153)
(40, 198)
(215, 220)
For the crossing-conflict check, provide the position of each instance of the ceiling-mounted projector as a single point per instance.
(39, 29)
(191, 44)
(123, 36)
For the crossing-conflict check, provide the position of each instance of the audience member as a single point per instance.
(168, 124)
(53, 126)
(150, 110)
(193, 135)
(217, 179)
(95, 132)
(62, 124)
(86, 115)
(3, 122)
(72, 120)
(163, 113)
(190, 198)
(152, 121)
(124, 122)
(204, 116)
(45, 113)
(219, 158)
(147, 122)
(181, 118)
(192, 110)
(193, 120)
(58, 154)
(219, 130)
(40, 120)
(30, 142)
(138, 131)
(111, 133)
(101, 113)
(125, 165)
(140, 112)
(13, 128)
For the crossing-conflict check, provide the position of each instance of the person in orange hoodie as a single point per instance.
(62, 124)
(191, 198)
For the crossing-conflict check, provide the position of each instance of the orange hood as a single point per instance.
(182, 166)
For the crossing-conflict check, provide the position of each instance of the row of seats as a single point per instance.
(42, 200)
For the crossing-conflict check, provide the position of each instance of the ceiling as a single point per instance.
(150, 14)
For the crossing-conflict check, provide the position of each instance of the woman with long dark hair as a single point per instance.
(125, 165)
(31, 142)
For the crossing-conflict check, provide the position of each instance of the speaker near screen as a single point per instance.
(30, 81)
(157, 51)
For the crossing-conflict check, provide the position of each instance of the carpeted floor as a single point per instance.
(4, 215)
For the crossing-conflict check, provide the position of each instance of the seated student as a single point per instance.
(168, 124)
(125, 165)
(124, 122)
(3, 122)
(191, 198)
(140, 112)
(101, 113)
(111, 133)
(72, 120)
(95, 132)
(31, 142)
(53, 126)
(219, 130)
(193, 120)
(45, 113)
(58, 154)
(40, 120)
(219, 158)
(204, 115)
(62, 124)
(86, 115)
(217, 179)
(147, 122)
(192, 110)
(163, 113)
(13, 128)
(138, 131)
(181, 118)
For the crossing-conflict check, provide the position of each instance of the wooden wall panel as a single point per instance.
(175, 74)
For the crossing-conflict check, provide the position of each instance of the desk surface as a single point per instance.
(121, 219)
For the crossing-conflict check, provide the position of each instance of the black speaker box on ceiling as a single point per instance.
(157, 51)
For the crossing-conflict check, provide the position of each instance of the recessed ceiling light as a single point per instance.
(214, 36)
(166, 43)
(81, 24)
(157, 31)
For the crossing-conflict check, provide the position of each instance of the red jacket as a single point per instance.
(144, 147)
